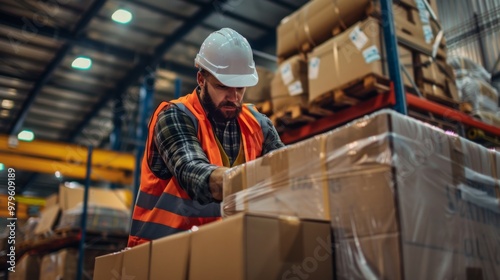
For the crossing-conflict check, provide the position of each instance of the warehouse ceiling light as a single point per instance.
(8, 104)
(2, 167)
(122, 16)
(82, 62)
(26, 135)
(58, 174)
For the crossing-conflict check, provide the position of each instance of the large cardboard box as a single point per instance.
(287, 179)
(254, 247)
(59, 265)
(48, 219)
(405, 200)
(290, 85)
(27, 268)
(417, 31)
(430, 71)
(315, 22)
(357, 52)
(170, 256)
(109, 266)
(136, 262)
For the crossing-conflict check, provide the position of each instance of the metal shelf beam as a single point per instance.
(67, 169)
(66, 152)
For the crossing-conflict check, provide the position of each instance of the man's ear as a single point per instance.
(200, 79)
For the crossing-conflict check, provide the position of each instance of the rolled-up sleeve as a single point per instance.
(176, 140)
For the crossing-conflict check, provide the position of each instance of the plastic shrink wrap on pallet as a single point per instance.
(405, 200)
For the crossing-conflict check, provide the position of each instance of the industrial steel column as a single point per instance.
(116, 134)
(146, 98)
(391, 45)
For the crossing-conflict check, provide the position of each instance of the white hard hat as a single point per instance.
(228, 57)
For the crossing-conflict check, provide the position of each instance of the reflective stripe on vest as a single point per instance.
(163, 207)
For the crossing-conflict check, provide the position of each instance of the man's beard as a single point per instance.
(215, 111)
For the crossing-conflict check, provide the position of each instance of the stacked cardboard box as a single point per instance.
(359, 51)
(243, 247)
(405, 200)
(289, 85)
(342, 47)
(108, 210)
(297, 35)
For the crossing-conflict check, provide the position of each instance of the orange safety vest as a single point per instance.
(163, 207)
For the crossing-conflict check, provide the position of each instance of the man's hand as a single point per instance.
(215, 183)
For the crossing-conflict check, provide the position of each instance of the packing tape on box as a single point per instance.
(307, 31)
(339, 15)
(296, 22)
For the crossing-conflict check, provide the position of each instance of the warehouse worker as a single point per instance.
(193, 140)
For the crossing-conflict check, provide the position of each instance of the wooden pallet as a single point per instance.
(351, 93)
(446, 101)
(297, 115)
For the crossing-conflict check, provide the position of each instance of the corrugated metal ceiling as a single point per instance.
(40, 39)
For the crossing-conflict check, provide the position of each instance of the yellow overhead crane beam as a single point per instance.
(69, 159)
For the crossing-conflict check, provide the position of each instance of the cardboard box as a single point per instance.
(51, 200)
(290, 85)
(59, 265)
(291, 179)
(170, 256)
(405, 199)
(350, 56)
(253, 247)
(262, 91)
(315, 22)
(71, 196)
(435, 90)
(48, 219)
(136, 262)
(108, 266)
(27, 268)
(413, 3)
(430, 71)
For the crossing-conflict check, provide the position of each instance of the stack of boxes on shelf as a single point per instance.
(50, 252)
(328, 47)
